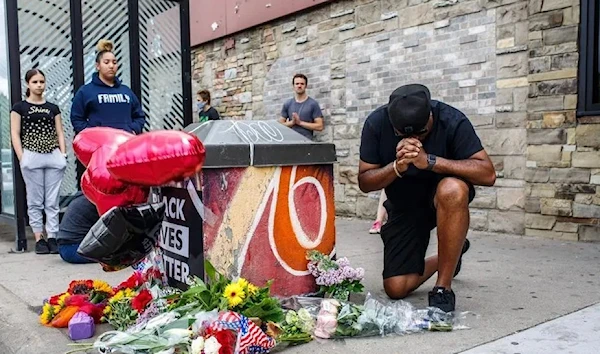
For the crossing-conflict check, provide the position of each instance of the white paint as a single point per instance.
(271, 194)
(257, 218)
(205, 213)
(301, 236)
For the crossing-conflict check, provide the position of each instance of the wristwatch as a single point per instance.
(431, 159)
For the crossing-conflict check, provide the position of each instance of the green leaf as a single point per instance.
(210, 270)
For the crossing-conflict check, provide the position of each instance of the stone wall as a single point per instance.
(510, 65)
(563, 161)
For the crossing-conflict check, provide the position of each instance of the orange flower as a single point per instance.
(81, 287)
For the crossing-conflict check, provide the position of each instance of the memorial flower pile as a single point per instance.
(336, 279)
(227, 316)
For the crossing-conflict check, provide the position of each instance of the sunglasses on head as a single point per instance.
(419, 133)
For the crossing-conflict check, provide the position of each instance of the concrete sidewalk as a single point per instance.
(512, 283)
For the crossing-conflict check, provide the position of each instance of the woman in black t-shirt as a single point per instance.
(38, 139)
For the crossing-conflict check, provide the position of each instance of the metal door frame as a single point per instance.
(76, 18)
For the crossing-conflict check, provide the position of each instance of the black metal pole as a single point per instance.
(77, 44)
(134, 47)
(14, 69)
(186, 61)
(78, 69)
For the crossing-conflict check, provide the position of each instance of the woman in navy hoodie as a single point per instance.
(106, 102)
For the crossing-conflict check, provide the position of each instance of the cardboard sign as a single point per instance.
(181, 236)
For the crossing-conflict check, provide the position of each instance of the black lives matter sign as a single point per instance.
(181, 236)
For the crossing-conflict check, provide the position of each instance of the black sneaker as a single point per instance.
(442, 299)
(53, 246)
(464, 250)
(41, 247)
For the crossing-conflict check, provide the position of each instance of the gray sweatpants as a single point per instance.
(43, 174)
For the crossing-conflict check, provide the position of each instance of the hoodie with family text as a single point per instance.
(99, 105)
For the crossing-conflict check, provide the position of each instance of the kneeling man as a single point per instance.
(428, 157)
(79, 218)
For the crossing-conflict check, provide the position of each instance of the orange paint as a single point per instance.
(289, 249)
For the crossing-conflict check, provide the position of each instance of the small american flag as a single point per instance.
(251, 339)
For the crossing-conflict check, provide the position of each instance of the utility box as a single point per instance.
(263, 198)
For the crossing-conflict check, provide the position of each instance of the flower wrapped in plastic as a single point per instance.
(341, 319)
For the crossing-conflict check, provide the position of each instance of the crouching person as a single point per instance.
(79, 218)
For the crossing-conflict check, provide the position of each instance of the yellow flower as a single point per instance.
(102, 286)
(252, 289)
(130, 293)
(243, 283)
(107, 310)
(47, 313)
(234, 294)
(118, 296)
(62, 299)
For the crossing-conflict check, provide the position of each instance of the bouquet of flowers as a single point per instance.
(88, 296)
(297, 327)
(125, 306)
(223, 294)
(337, 279)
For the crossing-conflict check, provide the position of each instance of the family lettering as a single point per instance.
(113, 98)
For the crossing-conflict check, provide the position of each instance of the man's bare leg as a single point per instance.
(452, 205)
(401, 286)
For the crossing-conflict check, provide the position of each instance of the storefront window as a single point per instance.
(6, 189)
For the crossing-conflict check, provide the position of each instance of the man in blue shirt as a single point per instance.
(79, 218)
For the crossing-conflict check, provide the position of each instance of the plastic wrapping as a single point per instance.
(123, 236)
(340, 319)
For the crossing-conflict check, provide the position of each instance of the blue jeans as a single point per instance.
(69, 254)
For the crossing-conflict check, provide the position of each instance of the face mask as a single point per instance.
(200, 105)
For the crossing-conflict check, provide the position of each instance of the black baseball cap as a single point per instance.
(409, 108)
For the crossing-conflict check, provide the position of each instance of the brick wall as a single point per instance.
(510, 65)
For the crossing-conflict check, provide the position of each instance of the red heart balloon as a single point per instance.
(157, 158)
(104, 201)
(91, 139)
(99, 176)
(105, 191)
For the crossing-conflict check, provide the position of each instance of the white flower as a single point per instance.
(177, 335)
(161, 320)
(197, 345)
(212, 346)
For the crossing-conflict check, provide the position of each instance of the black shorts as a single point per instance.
(405, 237)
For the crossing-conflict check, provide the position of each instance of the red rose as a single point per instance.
(133, 282)
(139, 302)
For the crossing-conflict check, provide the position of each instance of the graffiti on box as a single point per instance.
(265, 219)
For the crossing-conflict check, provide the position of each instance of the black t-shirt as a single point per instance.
(38, 128)
(211, 114)
(452, 137)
